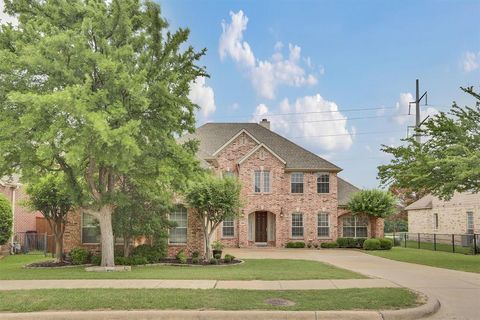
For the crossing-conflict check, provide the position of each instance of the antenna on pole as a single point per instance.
(418, 123)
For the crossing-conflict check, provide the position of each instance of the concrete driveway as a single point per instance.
(458, 292)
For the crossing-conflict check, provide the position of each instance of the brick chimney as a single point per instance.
(265, 123)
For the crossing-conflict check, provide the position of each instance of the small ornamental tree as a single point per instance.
(214, 199)
(52, 198)
(6, 220)
(374, 202)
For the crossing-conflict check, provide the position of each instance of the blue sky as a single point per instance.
(313, 67)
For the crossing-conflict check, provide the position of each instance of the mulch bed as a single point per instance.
(201, 262)
(48, 264)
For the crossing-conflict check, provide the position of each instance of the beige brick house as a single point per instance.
(290, 194)
(459, 215)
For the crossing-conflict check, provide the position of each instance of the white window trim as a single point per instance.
(473, 221)
(354, 228)
(234, 230)
(291, 182)
(262, 181)
(81, 232)
(303, 226)
(318, 176)
(329, 227)
(436, 221)
(178, 243)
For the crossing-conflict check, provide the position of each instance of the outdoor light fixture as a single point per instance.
(281, 212)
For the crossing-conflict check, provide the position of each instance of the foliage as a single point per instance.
(359, 242)
(98, 90)
(217, 256)
(218, 245)
(6, 220)
(131, 261)
(346, 242)
(228, 258)
(447, 162)
(151, 253)
(214, 199)
(195, 254)
(371, 244)
(51, 196)
(96, 259)
(395, 225)
(195, 260)
(374, 202)
(385, 243)
(296, 244)
(79, 256)
(181, 256)
(330, 244)
(213, 261)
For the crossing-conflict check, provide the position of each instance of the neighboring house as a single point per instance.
(289, 194)
(459, 215)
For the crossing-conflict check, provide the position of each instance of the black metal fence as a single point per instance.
(33, 243)
(456, 243)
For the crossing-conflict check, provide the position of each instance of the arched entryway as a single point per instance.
(261, 228)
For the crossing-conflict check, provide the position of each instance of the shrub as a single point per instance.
(331, 244)
(213, 261)
(79, 256)
(346, 242)
(151, 253)
(298, 244)
(309, 245)
(195, 260)
(181, 257)
(131, 261)
(315, 245)
(359, 242)
(228, 258)
(217, 256)
(96, 260)
(371, 244)
(385, 243)
(6, 220)
(195, 254)
(218, 246)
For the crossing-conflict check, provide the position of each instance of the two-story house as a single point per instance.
(290, 194)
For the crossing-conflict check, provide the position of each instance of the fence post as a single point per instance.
(435, 242)
(405, 239)
(474, 243)
(418, 240)
(453, 243)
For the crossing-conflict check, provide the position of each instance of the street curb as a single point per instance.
(425, 310)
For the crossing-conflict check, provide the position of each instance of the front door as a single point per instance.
(260, 226)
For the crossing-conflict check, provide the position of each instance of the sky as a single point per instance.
(336, 77)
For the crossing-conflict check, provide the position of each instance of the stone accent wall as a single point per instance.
(452, 215)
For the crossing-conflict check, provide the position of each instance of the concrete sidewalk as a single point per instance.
(196, 284)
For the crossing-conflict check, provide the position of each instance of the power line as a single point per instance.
(346, 134)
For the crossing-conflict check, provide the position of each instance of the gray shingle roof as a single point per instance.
(345, 190)
(214, 135)
(422, 203)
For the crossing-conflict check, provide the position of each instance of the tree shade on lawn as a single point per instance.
(219, 299)
(11, 267)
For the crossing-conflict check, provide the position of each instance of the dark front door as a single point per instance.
(261, 227)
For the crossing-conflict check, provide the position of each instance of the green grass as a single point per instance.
(470, 263)
(11, 268)
(445, 247)
(129, 299)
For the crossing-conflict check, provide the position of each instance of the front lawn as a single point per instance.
(11, 268)
(130, 299)
(470, 263)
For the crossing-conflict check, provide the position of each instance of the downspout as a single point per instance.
(14, 188)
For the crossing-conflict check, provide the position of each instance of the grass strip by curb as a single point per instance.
(212, 299)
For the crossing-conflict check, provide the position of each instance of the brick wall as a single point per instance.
(25, 220)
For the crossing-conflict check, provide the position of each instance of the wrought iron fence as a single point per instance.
(33, 243)
(456, 243)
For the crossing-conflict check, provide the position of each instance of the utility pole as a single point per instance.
(418, 123)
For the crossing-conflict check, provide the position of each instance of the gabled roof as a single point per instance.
(261, 145)
(422, 203)
(345, 191)
(214, 136)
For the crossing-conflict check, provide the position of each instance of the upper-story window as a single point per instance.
(297, 182)
(323, 183)
(261, 181)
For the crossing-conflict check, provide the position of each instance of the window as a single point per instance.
(243, 140)
(323, 225)
(297, 182)
(355, 227)
(323, 183)
(435, 221)
(178, 235)
(228, 228)
(470, 225)
(261, 181)
(90, 229)
(297, 225)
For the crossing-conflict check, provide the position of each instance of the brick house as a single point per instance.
(459, 215)
(290, 194)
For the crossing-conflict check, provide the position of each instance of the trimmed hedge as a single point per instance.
(346, 243)
(385, 243)
(151, 253)
(79, 256)
(295, 245)
(371, 244)
(331, 244)
(131, 261)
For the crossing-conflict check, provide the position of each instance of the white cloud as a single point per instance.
(203, 96)
(470, 61)
(5, 18)
(402, 108)
(310, 116)
(265, 75)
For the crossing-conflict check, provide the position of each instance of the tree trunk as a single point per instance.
(208, 252)
(104, 216)
(58, 241)
(126, 246)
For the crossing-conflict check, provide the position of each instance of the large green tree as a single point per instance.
(376, 203)
(448, 160)
(98, 90)
(6, 220)
(51, 196)
(214, 199)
